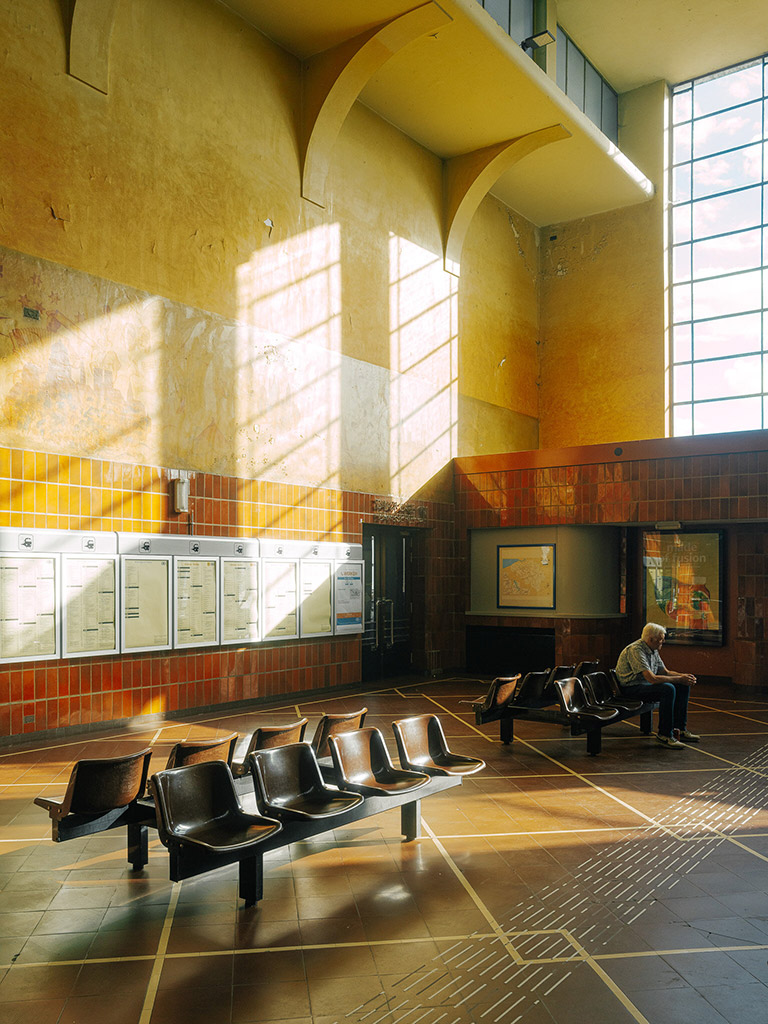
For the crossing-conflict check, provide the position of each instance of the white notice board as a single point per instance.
(146, 604)
(280, 592)
(89, 588)
(29, 627)
(316, 610)
(240, 605)
(196, 605)
(348, 597)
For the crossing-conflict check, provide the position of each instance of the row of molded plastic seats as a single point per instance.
(197, 803)
(289, 784)
(534, 689)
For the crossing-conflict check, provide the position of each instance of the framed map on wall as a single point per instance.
(683, 585)
(525, 575)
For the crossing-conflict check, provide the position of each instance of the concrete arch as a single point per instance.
(89, 36)
(468, 178)
(332, 81)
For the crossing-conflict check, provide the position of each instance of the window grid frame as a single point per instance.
(685, 409)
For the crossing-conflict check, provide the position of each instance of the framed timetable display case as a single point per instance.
(90, 595)
(240, 601)
(30, 603)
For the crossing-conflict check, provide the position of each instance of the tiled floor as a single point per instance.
(553, 886)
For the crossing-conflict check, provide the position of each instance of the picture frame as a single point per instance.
(525, 576)
(683, 585)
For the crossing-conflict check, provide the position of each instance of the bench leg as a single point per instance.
(506, 729)
(594, 741)
(138, 846)
(252, 879)
(646, 722)
(410, 819)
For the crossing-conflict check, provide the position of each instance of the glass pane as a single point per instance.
(574, 85)
(681, 263)
(561, 58)
(682, 143)
(681, 183)
(727, 213)
(682, 425)
(728, 415)
(724, 378)
(727, 254)
(681, 302)
(499, 11)
(734, 294)
(681, 223)
(521, 19)
(681, 343)
(610, 118)
(737, 86)
(727, 171)
(682, 106)
(728, 337)
(593, 93)
(682, 383)
(726, 131)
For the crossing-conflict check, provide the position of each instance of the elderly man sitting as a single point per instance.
(642, 673)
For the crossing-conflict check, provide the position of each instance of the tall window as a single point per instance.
(719, 252)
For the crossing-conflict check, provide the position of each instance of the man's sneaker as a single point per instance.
(689, 737)
(669, 741)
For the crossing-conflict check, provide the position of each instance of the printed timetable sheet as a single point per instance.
(27, 606)
(196, 581)
(280, 599)
(145, 603)
(90, 602)
(239, 600)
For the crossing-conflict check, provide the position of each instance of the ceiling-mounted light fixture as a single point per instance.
(543, 38)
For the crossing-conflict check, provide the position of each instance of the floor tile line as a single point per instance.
(159, 959)
(473, 894)
(607, 980)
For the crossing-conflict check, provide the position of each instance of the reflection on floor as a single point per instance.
(553, 886)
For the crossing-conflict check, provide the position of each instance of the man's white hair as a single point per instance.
(652, 630)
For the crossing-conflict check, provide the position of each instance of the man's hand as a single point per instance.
(688, 679)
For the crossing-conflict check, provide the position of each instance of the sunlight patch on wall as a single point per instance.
(423, 412)
(287, 372)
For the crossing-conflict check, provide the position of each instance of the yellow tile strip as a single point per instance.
(497, 929)
(162, 946)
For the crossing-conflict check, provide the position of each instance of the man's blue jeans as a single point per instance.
(672, 699)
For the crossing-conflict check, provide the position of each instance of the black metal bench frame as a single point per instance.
(548, 711)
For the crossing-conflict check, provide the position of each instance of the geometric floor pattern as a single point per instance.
(551, 887)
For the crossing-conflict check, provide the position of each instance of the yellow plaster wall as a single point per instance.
(249, 332)
(602, 306)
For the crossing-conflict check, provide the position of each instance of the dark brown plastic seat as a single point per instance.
(197, 806)
(558, 672)
(289, 784)
(268, 736)
(599, 689)
(335, 725)
(501, 691)
(585, 667)
(422, 747)
(532, 690)
(362, 763)
(198, 751)
(98, 785)
(574, 702)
